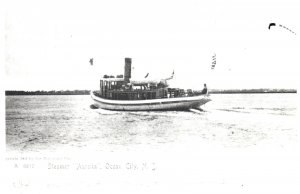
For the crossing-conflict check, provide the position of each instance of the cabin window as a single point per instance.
(153, 95)
(101, 82)
(123, 96)
(131, 96)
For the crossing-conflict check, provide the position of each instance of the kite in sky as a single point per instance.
(282, 26)
(271, 24)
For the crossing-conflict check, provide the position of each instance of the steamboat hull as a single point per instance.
(179, 103)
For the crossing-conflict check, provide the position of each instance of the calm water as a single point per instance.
(53, 123)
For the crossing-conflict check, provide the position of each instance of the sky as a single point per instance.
(48, 44)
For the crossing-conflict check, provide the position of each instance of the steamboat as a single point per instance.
(121, 93)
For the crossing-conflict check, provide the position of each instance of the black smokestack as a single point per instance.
(127, 70)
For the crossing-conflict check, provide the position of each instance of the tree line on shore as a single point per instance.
(52, 92)
(252, 91)
(87, 92)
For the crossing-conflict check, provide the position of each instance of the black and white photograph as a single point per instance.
(153, 96)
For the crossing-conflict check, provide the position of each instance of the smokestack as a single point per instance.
(127, 70)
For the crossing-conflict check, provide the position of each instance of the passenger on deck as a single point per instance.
(204, 91)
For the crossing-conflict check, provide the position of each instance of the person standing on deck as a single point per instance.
(204, 91)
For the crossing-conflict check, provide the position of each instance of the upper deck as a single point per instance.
(116, 89)
(122, 88)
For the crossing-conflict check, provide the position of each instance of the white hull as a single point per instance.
(179, 103)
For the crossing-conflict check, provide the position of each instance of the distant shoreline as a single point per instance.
(87, 92)
(52, 92)
(253, 91)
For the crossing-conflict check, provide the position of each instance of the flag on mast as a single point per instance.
(172, 74)
(91, 61)
(214, 61)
